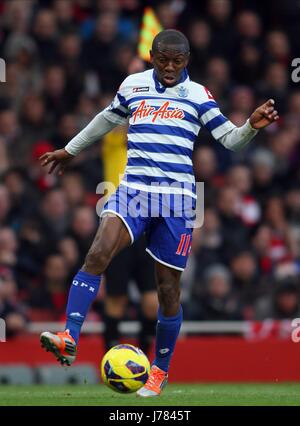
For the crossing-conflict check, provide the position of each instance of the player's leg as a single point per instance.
(169, 315)
(167, 330)
(116, 298)
(169, 244)
(149, 306)
(111, 237)
(114, 311)
(144, 277)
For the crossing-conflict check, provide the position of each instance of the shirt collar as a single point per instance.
(160, 88)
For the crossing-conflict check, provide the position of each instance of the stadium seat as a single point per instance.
(16, 374)
(55, 375)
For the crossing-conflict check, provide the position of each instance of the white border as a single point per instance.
(162, 262)
(122, 219)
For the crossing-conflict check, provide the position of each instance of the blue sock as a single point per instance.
(167, 331)
(82, 293)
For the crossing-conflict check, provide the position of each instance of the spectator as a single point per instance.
(278, 48)
(207, 243)
(5, 205)
(56, 97)
(263, 169)
(200, 38)
(217, 301)
(83, 228)
(74, 188)
(223, 37)
(67, 129)
(4, 164)
(242, 99)
(53, 215)
(35, 124)
(68, 248)
(22, 196)
(240, 178)
(8, 248)
(275, 84)
(248, 64)
(218, 79)
(50, 292)
(102, 45)
(40, 178)
(234, 232)
(45, 36)
(248, 26)
(63, 11)
(283, 304)
(10, 310)
(246, 281)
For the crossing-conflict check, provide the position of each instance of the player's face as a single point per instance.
(169, 64)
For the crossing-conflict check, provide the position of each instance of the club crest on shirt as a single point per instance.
(182, 91)
(162, 112)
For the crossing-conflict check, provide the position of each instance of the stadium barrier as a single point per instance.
(50, 374)
(133, 327)
(16, 374)
(247, 352)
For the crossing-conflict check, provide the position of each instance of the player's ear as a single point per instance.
(151, 56)
(187, 58)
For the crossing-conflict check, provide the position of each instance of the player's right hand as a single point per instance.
(59, 158)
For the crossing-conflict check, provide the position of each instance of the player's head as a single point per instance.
(169, 56)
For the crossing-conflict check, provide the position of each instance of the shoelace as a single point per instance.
(64, 335)
(156, 377)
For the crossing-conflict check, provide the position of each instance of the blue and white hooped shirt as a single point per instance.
(163, 125)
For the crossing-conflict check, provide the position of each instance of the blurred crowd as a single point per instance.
(65, 59)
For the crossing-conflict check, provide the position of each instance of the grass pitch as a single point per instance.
(277, 394)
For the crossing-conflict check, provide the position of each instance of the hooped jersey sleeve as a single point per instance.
(210, 115)
(117, 112)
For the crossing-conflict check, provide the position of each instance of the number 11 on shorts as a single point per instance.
(183, 246)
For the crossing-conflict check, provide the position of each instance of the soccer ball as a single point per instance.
(125, 368)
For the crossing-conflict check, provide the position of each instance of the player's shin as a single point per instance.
(111, 333)
(82, 293)
(146, 334)
(167, 331)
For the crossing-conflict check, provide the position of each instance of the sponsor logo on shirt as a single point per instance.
(140, 89)
(163, 112)
(210, 96)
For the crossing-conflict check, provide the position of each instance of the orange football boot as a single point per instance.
(61, 344)
(157, 380)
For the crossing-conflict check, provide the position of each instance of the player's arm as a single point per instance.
(101, 124)
(239, 137)
(223, 130)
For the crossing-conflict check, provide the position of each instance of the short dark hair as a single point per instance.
(173, 38)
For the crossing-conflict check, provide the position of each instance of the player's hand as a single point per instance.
(264, 115)
(58, 159)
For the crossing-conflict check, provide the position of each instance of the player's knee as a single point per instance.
(97, 260)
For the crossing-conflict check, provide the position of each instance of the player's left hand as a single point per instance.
(264, 115)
